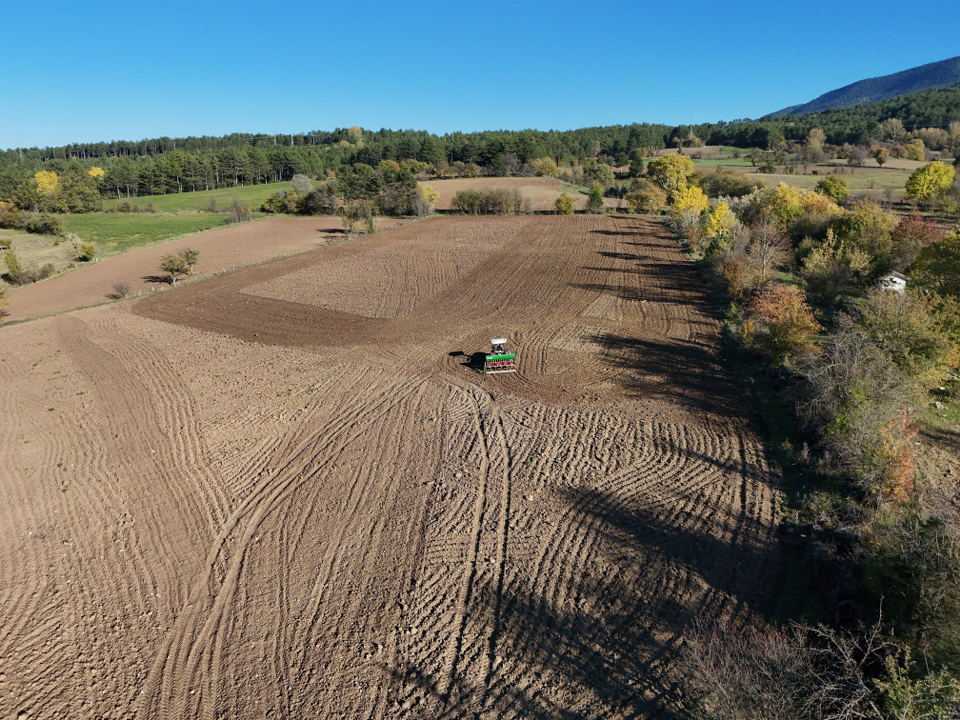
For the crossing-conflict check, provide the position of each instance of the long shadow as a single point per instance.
(160, 279)
(608, 643)
(682, 372)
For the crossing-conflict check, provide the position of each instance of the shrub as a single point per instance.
(488, 201)
(595, 203)
(834, 187)
(45, 225)
(301, 184)
(86, 252)
(785, 322)
(867, 228)
(564, 205)
(728, 183)
(14, 268)
(649, 199)
(911, 235)
(241, 212)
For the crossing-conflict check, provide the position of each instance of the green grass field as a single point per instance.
(722, 162)
(200, 200)
(117, 233)
(878, 180)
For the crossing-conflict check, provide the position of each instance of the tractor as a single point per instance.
(499, 360)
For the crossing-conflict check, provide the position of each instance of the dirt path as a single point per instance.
(285, 491)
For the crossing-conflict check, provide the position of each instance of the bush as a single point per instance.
(648, 200)
(785, 322)
(834, 187)
(45, 225)
(238, 212)
(727, 183)
(564, 205)
(488, 201)
(595, 203)
(301, 184)
(86, 252)
(128, 207)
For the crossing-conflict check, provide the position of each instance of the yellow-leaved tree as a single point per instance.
(544, 167)
(47, 182)
(689, 199)
(670, 171)
(720, 222)
(96, 173)
(425, 200)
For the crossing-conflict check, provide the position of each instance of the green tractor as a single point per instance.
(499, 360)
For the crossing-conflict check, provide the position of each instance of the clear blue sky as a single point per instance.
(103, 70)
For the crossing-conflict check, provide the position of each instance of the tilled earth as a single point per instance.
(288, 492)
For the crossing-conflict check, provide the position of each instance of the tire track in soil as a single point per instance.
(416, 539)
(202, 622)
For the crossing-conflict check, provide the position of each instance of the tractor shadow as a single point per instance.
(473, 362)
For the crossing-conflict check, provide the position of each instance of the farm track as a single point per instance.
(287, 491)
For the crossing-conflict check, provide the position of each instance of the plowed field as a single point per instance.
(287, 491)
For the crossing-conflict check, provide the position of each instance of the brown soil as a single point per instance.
(541, 191)
(237, 499)
(219, 250)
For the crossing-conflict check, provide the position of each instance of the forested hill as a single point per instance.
(945, 73)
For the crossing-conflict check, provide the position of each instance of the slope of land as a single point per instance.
(945, 73)
(220, 250)
(240, 498)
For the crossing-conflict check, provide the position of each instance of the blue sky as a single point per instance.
(102, 70)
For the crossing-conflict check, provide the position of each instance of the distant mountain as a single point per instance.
(945, 73)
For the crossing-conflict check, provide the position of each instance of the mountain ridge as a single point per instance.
(943, 73)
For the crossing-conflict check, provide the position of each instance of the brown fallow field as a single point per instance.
(287, 491)
(542, 192)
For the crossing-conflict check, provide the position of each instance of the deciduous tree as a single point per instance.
(544, 167)
(564, 204)
(929, 181)
(47, 182)
(833, 187)
(595, 202)
(670, 171)
(179, 264)
(785, 320)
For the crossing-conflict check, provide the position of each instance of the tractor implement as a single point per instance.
(499, 360)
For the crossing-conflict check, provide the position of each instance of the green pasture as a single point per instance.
(878, 180)
(200, 200)
(722, 162)
(115, 233)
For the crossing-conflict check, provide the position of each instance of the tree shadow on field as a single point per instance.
(159, 279)
(678, 371)
(601, 634)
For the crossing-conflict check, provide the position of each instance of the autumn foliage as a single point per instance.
(785, 321)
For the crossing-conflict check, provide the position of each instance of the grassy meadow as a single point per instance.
(117, 233)
(200, 200)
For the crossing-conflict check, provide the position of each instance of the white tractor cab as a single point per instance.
(499, 360)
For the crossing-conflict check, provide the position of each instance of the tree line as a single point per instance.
(848, 318)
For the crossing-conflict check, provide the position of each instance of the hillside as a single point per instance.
(945, 73)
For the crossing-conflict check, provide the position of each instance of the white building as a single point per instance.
(893, 281)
